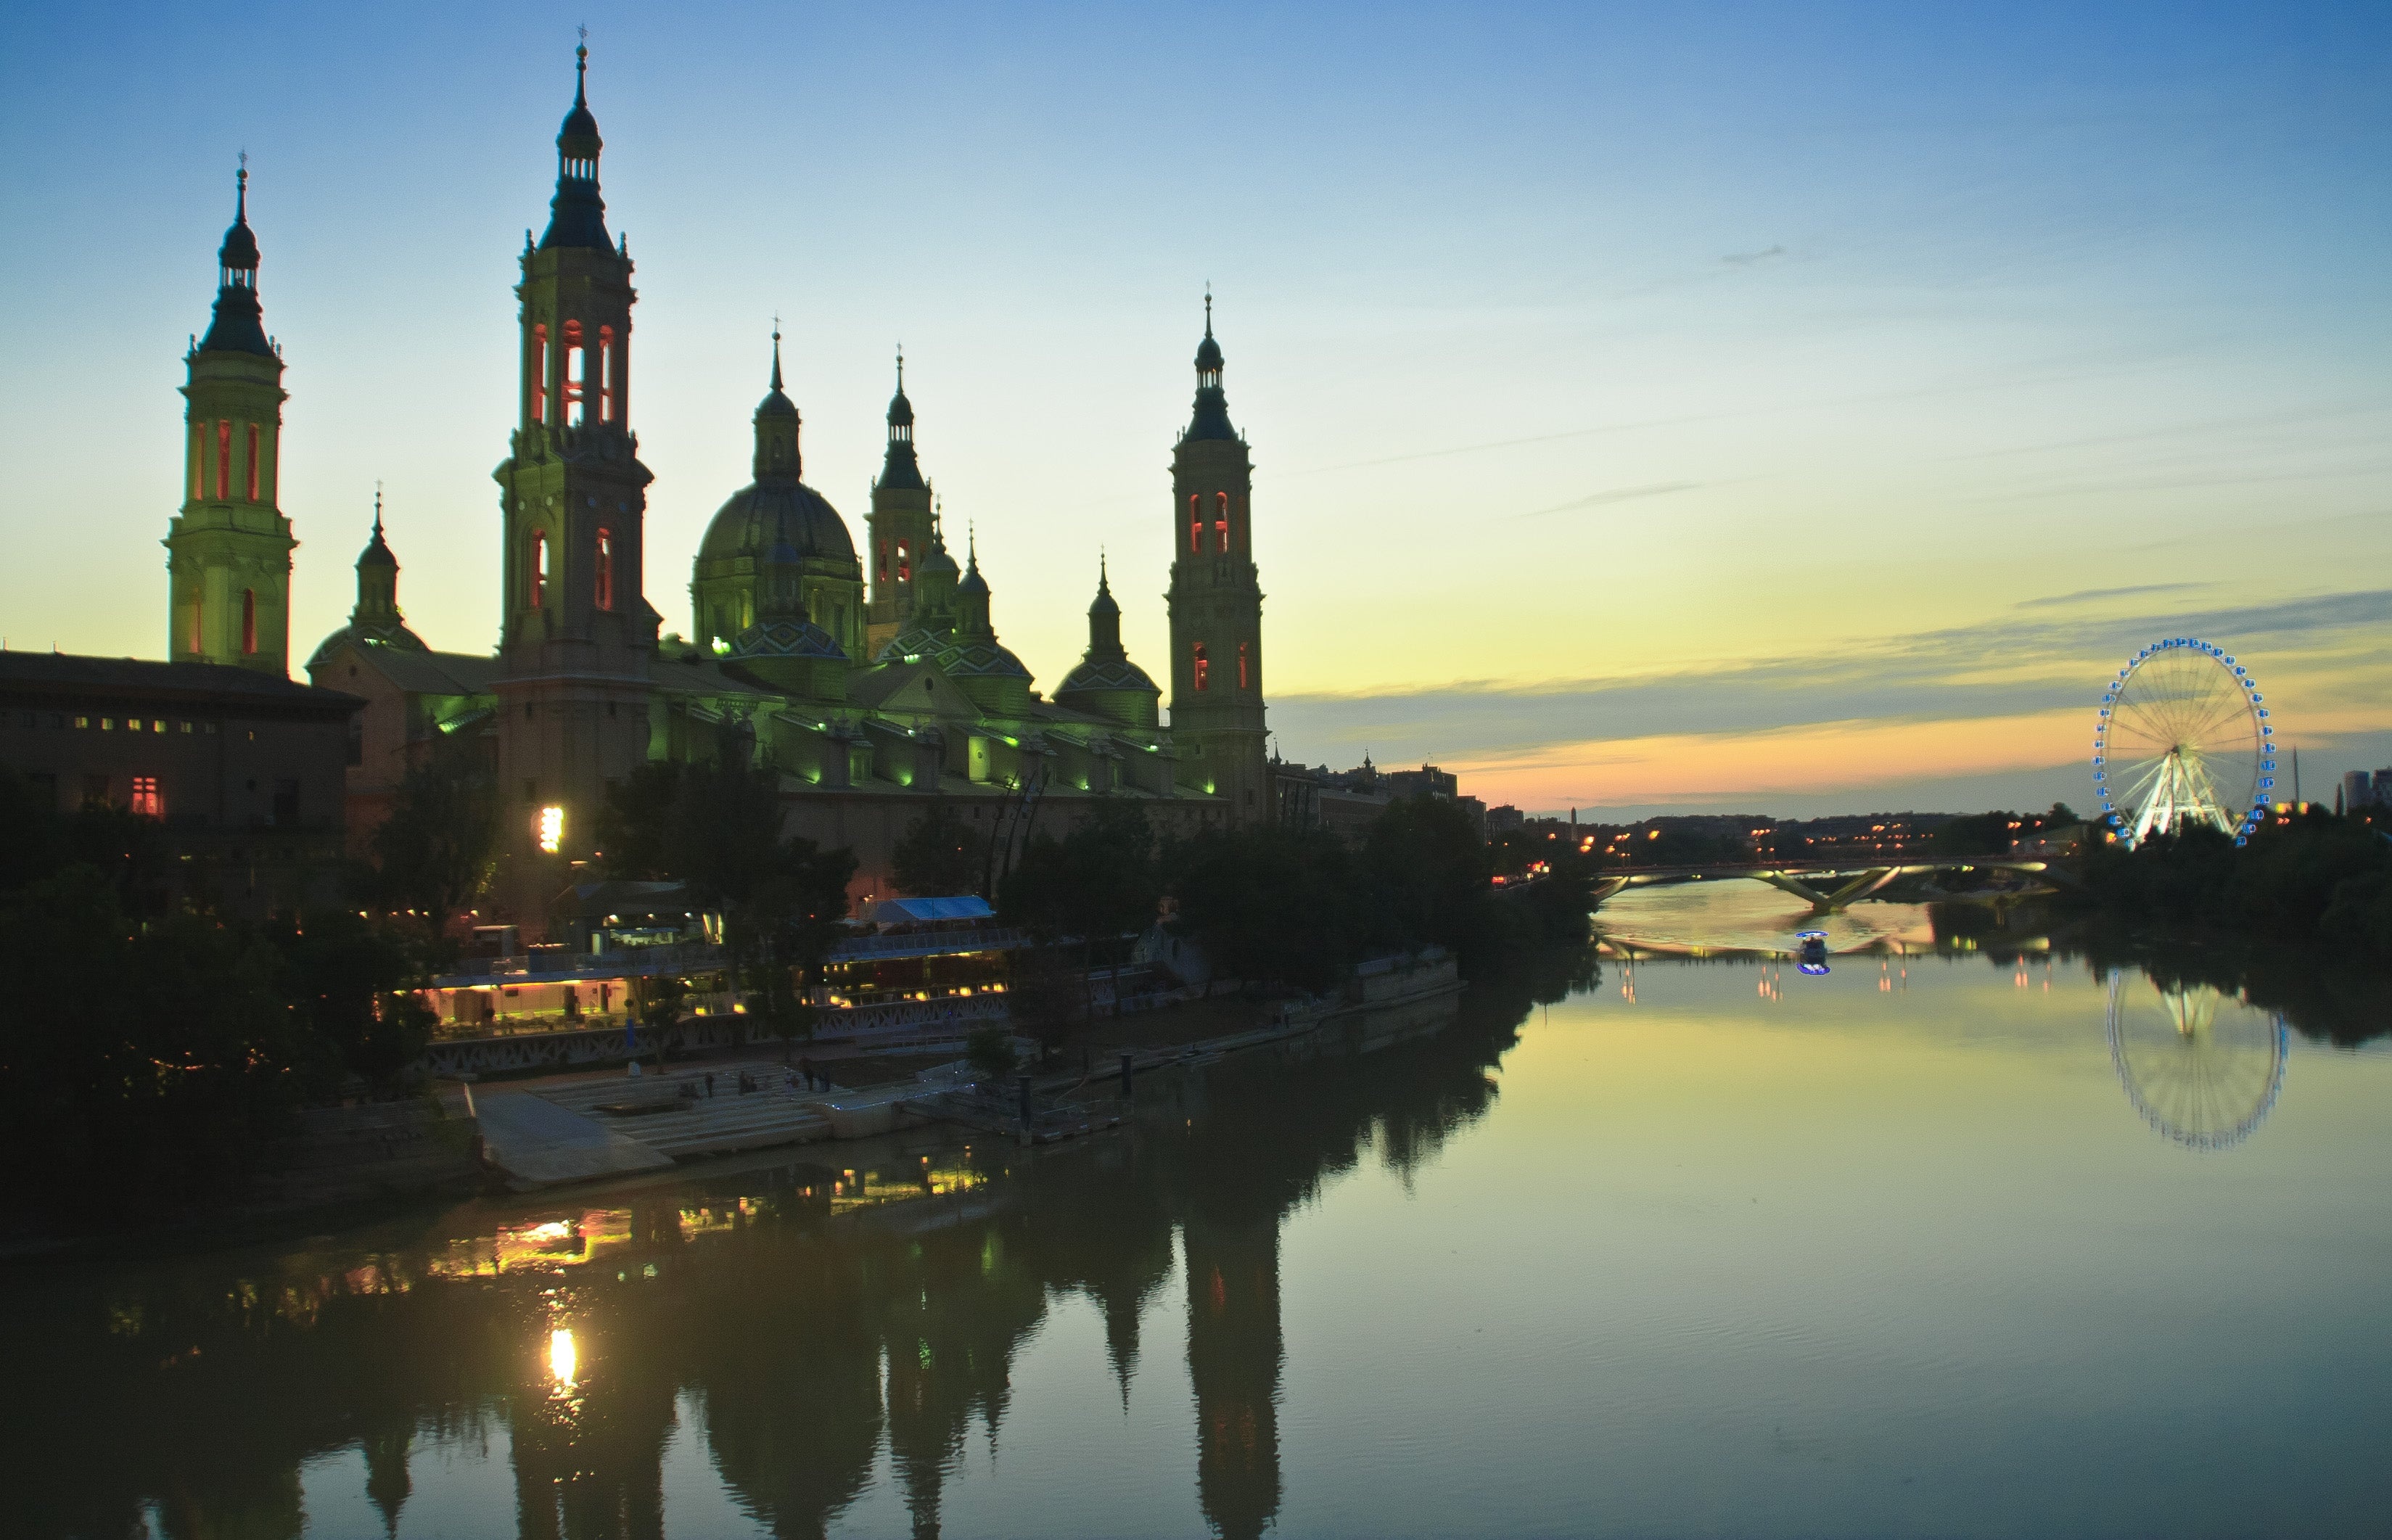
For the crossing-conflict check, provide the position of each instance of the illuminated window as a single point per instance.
(253, 462)
(606, 371)
(1195, 528)
(539, 373)
(146, 801)
(550, 828)
(538, 568)
(199, 619)
(224, 458)
(604, 586)
(1221, 524)
(1204, 667)
(905, 563)
(576, 362)
(1244, 673)
(199, 459)
(249, 621)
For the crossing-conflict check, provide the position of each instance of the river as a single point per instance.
(1962, 1237)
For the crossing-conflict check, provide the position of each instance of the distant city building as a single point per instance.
(1504, 818)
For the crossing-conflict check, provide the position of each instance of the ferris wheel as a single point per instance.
(2203, 1069)
(2183, 739)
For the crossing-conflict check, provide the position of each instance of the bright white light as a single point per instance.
(562, 1357)
(551, 829)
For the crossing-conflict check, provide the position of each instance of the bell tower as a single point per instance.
(898, 529)
(577, 632)
(1216, 604)
(229, 561)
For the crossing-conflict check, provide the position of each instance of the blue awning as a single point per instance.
(922, 910)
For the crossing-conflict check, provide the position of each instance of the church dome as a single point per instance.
(979, 658)
(922, 642)
(760, 519)
(240, 248)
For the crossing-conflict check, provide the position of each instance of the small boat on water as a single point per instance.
(1811, 950)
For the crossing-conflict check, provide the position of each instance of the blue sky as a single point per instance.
(1653, 406)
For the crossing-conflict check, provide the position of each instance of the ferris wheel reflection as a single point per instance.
(2202, 1067)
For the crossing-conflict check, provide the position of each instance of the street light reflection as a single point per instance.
(561, 1358)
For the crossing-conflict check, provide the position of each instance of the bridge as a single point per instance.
(1827, 885)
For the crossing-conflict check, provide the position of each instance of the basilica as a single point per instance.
(872, 679)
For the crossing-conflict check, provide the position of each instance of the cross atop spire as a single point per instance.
(582, 66)
(776, 350)
(377, 510)
(1208, 307)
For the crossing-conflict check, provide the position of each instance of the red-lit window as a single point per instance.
(198, 623)
(1221, 524)
(606, 369)
(253, 462)
(249, 621)
(538, 568)
(199, 460)
(605, 585)
(539, 373)
(1195, 528)
(224, 459)
(576, 362)
(1203, 669)
(1246, 672)
(905, 563)
(146, 803)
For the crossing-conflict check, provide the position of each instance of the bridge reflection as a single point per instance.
(813, 1317)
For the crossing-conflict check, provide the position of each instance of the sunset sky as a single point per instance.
(1773, 408)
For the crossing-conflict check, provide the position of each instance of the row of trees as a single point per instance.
(2313, 878)
(152, 1046)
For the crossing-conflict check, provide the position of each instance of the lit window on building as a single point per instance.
(539, 373)
(1221, 524)
(248, 621)
(549, 827)
(1245, 675)
(576, 362)
(1204, 667)
(605, 585)
(538, 568)
(253, 462)
(146, 800)
(609, 371)
(224, 458)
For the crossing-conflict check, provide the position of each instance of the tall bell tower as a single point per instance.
(577, 632)
(229, 561)
(1216, 604)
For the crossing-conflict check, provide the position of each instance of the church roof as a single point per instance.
(920, 641)
(417, 670)
(59, 675)
(965, 657)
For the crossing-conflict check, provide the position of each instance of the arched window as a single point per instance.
(249, 622)
(606, 369)
(1195, 528)
(1245, 671)
(905, 563)
(884, 559)
(1221, 524)
(1203, 669)
(603, 584)
(224, 458)
(538, 568)
(575, 363)
(253, 462)
(198, 623)
(199, 459)
(539, 372)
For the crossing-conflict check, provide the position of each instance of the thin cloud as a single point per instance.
(1747, 259)
(1617, 494)
(2088, 596)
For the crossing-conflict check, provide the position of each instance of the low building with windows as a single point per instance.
(245, 771)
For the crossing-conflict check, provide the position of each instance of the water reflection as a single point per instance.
(2202, 1067)
(812, 1318)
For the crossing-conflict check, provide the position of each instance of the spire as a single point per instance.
(971, 594)
(777, 425)
(1211, 415)
(900, 469)
(377, 580)
(1104, 617)
(238, 324)
(577, 214)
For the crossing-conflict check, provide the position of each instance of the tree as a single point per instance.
(990, 1051)
(1429, 866)
(939, 855)
(351, 982)
(435, 854)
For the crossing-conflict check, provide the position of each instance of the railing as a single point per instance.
(560, 966)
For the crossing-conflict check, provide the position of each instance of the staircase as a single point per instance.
(654, 1110)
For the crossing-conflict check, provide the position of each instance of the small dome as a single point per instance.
(973, 582)
(579, 123)
(938, 559)
(786, 639)
(1208, 354)
(982, 658)
(377, 553)
(240, 248)
(760, 521)
(1106, 674)
(776, 404)
(919, 643)
(900, 411)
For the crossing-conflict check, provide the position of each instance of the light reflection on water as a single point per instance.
(1891, 1252)
(1741, 914)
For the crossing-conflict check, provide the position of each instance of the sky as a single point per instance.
(1777, 409)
